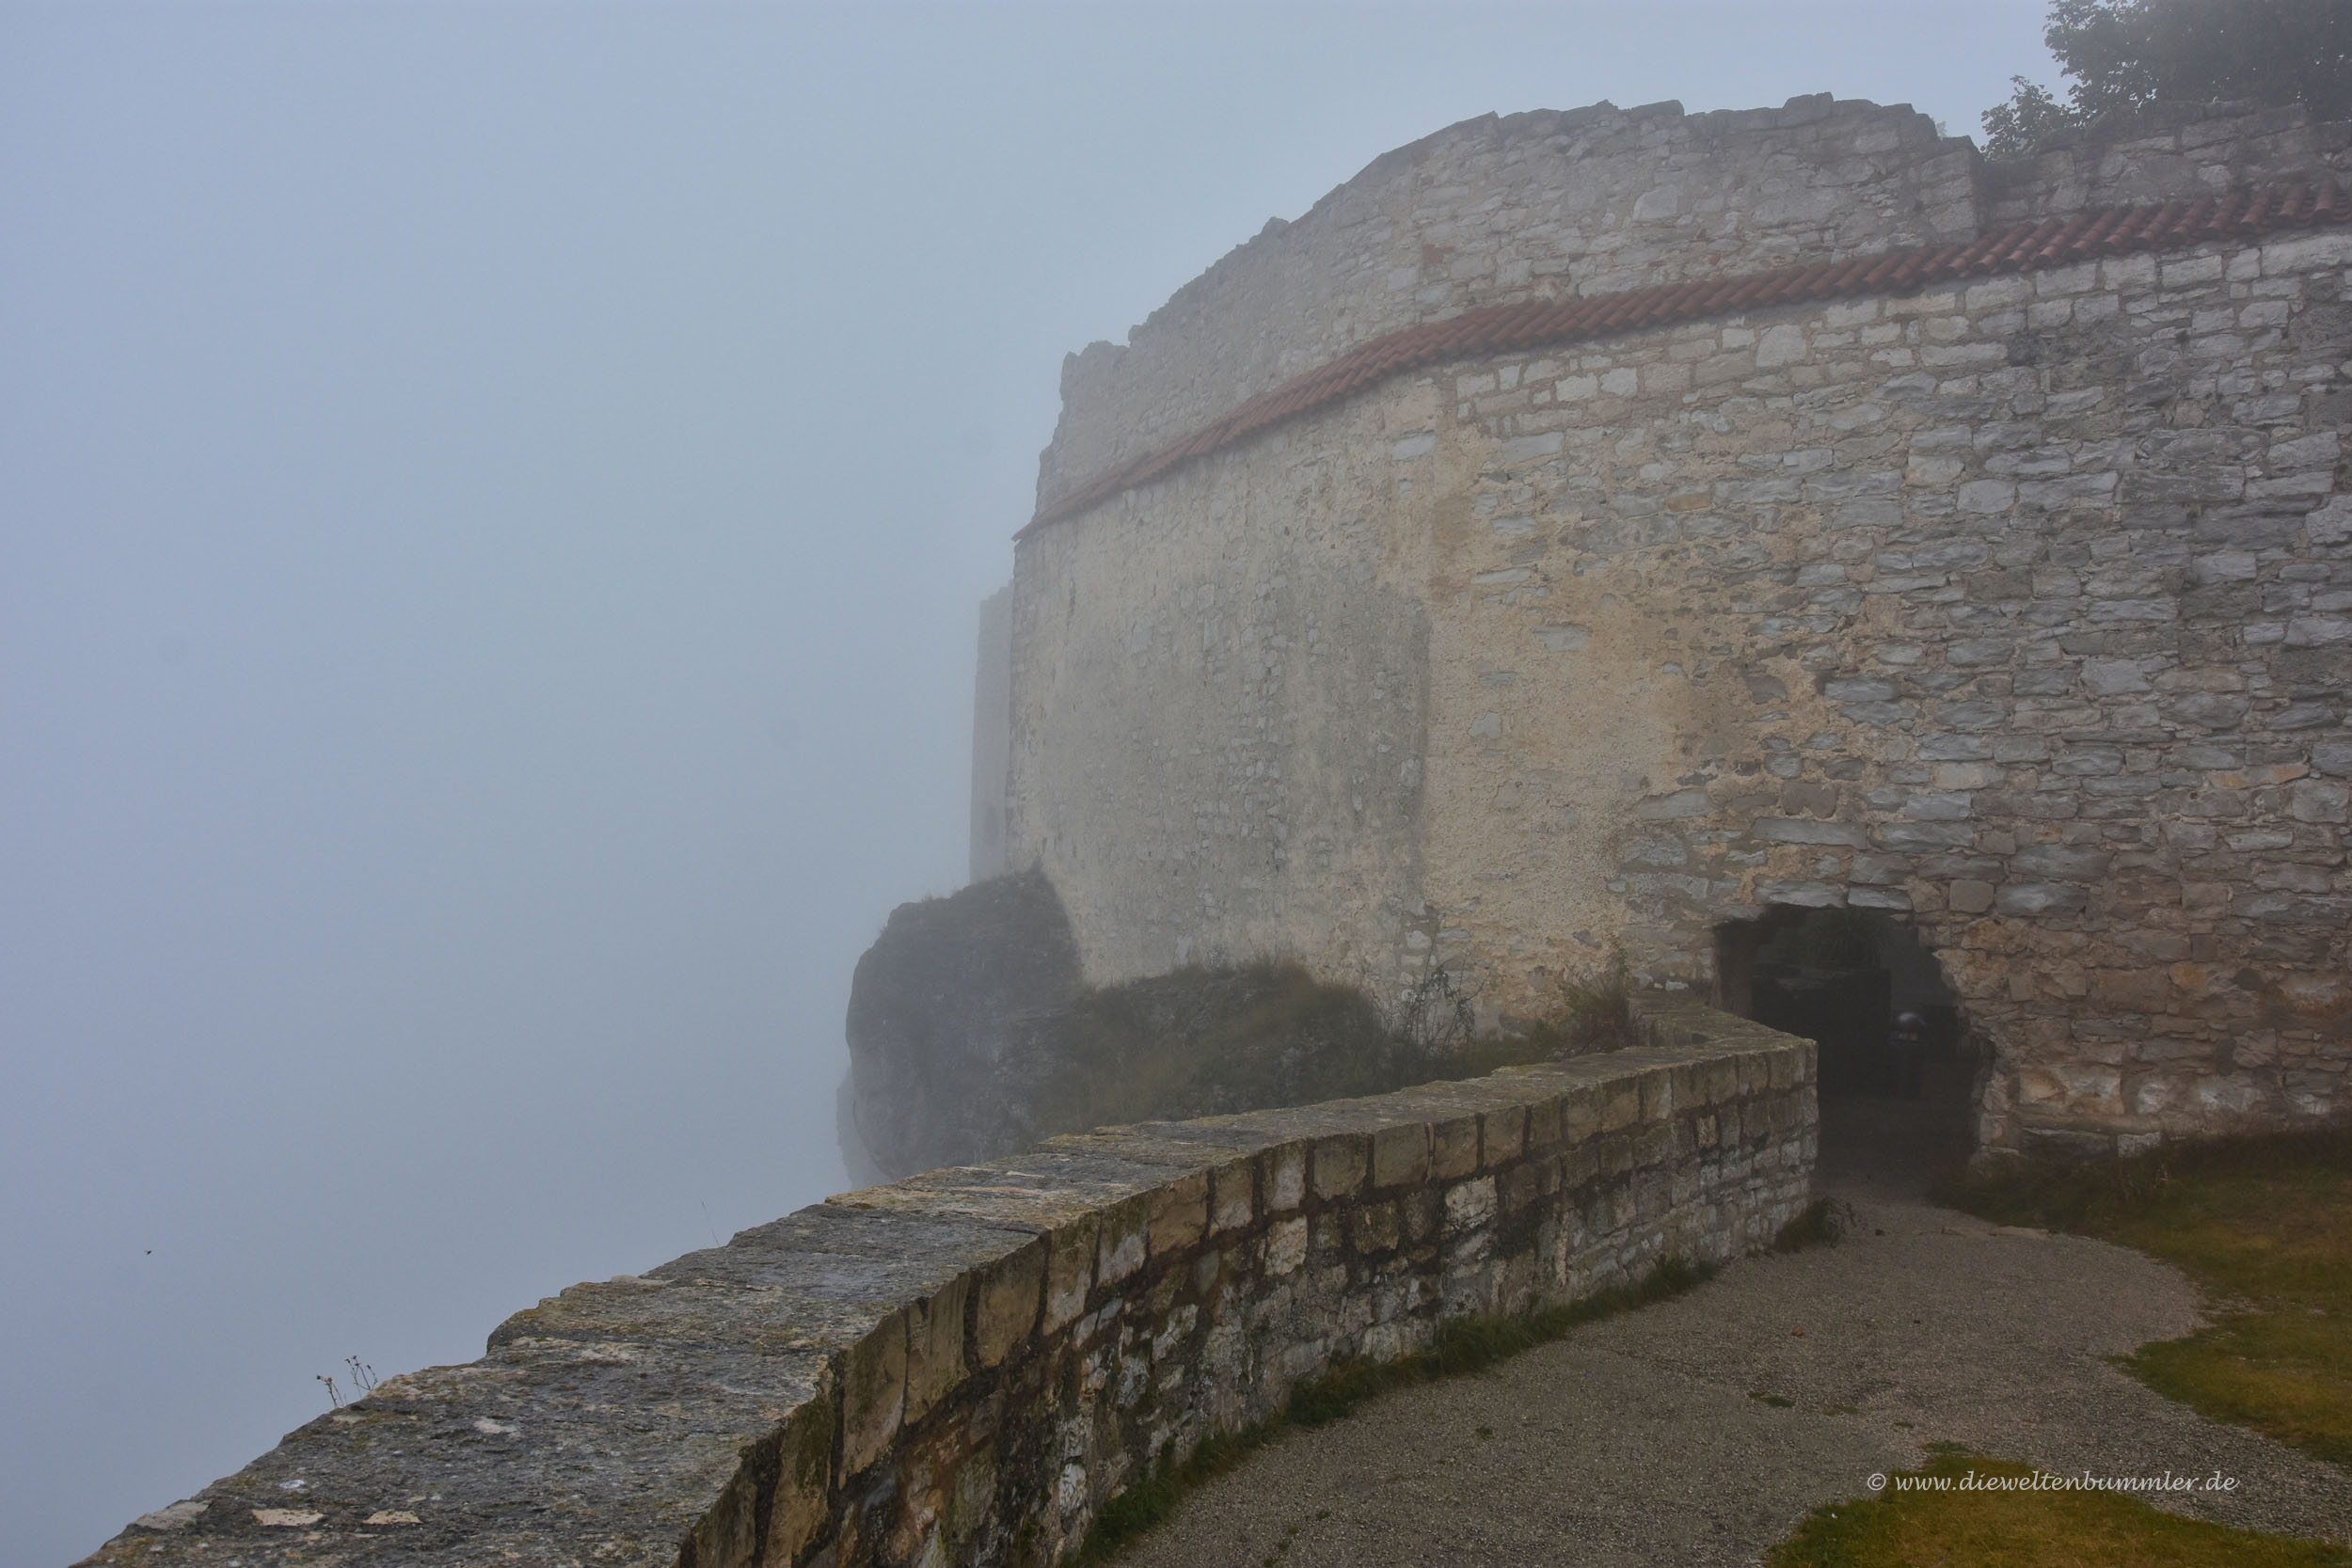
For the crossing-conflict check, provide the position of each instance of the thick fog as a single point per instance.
(492, 500)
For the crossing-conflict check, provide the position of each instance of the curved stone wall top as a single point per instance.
(1507, 209)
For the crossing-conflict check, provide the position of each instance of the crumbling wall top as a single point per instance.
(1561, 205)
(1505, 210)
(2169, 152)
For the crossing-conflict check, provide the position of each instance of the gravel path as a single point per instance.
(1645, 1439)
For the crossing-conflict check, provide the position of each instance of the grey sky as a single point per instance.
(492, 505)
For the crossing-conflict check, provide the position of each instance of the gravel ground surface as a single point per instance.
(1646, 1439)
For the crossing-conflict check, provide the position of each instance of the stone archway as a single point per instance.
(1895, 1112)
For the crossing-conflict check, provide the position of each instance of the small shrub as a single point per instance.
(1433, 1017)
(1591, 1012)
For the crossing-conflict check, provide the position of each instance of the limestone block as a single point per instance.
(1285, 1247)
(1469, 1205)
(1070, 1273)
(1454, 1148)
(801, 1503)
(1232, 1195)
(1502, 1134)
(1659, 1094)
(935, 1347)
(1179, 1215)
(873, 1394)
(1340, 1166)
(1400, 1155)
(1718, 1081)
(1122, 1238)
(2320, 801)
(1375, 1228)
(1283, 1177)
(1544, 1130)
(1012, 1301)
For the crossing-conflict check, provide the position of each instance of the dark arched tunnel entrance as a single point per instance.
(1899, 1073)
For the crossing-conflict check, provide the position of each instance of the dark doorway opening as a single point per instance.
(1899, 1075)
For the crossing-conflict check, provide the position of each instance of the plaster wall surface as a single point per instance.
(1218, 737)
(2020, 609)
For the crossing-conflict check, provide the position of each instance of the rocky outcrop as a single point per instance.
(940, 1007)
(972, 1034)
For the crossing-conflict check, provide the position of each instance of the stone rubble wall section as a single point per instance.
(1556, 205)
(1503, 211)
(2020, 610)
(2172, 152)
(966, 1367)
(2032, 245)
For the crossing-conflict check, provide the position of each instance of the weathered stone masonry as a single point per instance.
(2018, 606)
(962, 1368)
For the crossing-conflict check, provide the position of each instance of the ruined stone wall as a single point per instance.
(1498, 211)
(2168, 151)
(965, 1368)
(2021, 609)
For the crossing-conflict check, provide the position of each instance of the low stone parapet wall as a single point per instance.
(965, 1367)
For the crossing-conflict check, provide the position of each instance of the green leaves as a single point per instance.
(2124, 57)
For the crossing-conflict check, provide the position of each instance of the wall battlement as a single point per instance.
(964, 1368)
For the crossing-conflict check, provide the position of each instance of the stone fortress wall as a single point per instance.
(966, 1367)
(2018, 606)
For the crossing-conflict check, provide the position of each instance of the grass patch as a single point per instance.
(1463, 1346)
(2026, 1529)
(1144, 1506)
(2265, 1224)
